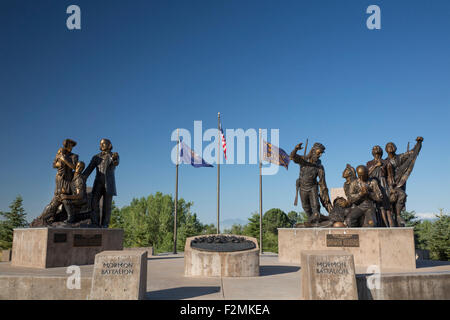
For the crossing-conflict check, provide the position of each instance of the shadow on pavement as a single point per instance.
(181, 293)
(431, 263)
(272, 270)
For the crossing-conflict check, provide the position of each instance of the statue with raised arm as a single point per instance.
(104, 187)
(399, 168)
(311, 184)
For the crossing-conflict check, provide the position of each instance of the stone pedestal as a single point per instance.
(328, 275)
(119, 275)
(221, 264)
(5, 255)
(387, 248)
(62, 247)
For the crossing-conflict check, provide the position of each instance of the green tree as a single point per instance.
(439, 242)
(209, 229)
(274, 219)
(251, 229)
(15, 218)
(422, 234)
(295, 217)
(236, 229)
(191, 227)
(116, 217)
(270, 242)
(149, 222)
(410, 218)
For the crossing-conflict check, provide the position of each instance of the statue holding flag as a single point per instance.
(307, 185)
(399, 167)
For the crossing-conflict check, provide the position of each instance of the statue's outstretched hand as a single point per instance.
(299, 146)
(419, 139)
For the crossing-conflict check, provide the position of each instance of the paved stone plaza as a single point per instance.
(166, 280)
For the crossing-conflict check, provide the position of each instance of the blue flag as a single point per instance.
(190, 157)
(275, 155)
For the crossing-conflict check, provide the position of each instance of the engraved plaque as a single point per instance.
(342, 240)
(80, 240)
(60, 237)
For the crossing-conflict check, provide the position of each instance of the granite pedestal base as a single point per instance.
(386, 248)
(62, 247)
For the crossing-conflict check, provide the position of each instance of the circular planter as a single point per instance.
(207, 263)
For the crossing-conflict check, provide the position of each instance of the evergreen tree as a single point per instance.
(410, 218)
(439, 242)
(236, 229)
(295, 217)
(209, 229)
(15, 218)
(251, 229)
(116, 217)
(422, 234)
(191, 227)
(274, 219)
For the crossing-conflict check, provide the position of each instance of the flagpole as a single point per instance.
(218, 172)
(260, 195)
(176, 197)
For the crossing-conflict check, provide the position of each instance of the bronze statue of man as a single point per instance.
(307, 184)
(104, 187)
(363, 194)
(378, 171)
(399, 169)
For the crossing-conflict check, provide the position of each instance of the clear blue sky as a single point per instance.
(139, 69)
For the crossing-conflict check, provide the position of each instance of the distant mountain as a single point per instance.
(228, 223)
(426, 216)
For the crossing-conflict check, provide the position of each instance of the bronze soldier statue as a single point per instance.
(378, 171)
(307, 185)
(104, 187)
(399, 168)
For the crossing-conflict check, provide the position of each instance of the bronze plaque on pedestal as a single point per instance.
(80, 240)
(342, 240)
(60, 237)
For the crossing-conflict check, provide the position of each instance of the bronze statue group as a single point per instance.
(375, 193)
(72, 205)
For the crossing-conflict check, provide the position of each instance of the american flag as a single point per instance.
(224, 142)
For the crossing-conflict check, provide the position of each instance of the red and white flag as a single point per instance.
(224, 142)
